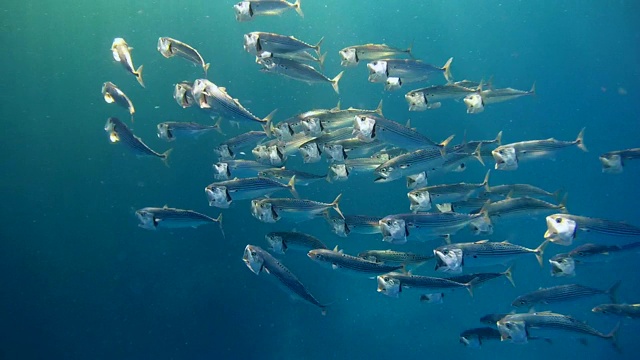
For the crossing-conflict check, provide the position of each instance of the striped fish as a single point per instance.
(227, 149)
(452, 257)
(230, 169)
(257, 260)
(422, 199)
(337, 259)
(315, 122)
(221, 194)
(258, 41)
(562, 293)
(409, 70)
(391, 284)
(563, 228)
(302, 178)
(169, 47)
(427, 160)
(481, 278)
(271, 210)
(297, 71)
(119, 132)
(515, 190)
(247, 10)
(352, 55)
(427, 97)
(396, 257)
(525, 205)
(631, 311)
(152, 218)
(358, 224)
(613, 161)
(122, 53)
(169, 130)
(182, 94)
(397, 228)
(112, 94)
(281, 241)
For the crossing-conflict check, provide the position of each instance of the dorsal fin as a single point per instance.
(481, 241)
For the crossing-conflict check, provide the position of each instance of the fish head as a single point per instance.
(393, 230)
(562, 266)
(224, 152)
(263, 211)
(253, 259)
(283, 131)
(560, 229)
(111, 127)
(389, 285)
(481, 225)
(164, 132)
(118, 42)
(611, 164)
(522, 301)
(364, 128)
(377, 71)
(218, 196)
(514, 330)
(386, 173)
(243, 11)
(338, 172)
(276, 156)
(471, 341)
(334, 152)
(449, 259)
(164, 47)
(312, 126)
(420, 200)
(417, 101)
(221, 171)
(417, 180)
(199, 92)
(491, 319)
(506, 158)
(252, 43)
(339, 226)
(474, 103)
(605, 309)
(147, 219)
(276, 243)
(182, 95)
(392, 83)
(310, 152)
(321, 256)
(268, 63)
(435, 298)
(349, 57)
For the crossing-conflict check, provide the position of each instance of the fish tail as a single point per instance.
(486, 181)
(321, 59)
(165, 157)
(138, 74)
(580, 141)
(533, 89)
(509, 275)
(613, 335)
(292, 187)
(539, 251)
(556, 194)
(296, 5)
(498, 138)
(336, 207)
(470, 284)
(334, 82)
(563, 204)
(317, 46)
(447, 70)
(268, 127)
(443, 145)
(379, 108)
(408, 50)
(219, 221)
(613, 292)
(478, 155)
(206, 68)
(217, 126)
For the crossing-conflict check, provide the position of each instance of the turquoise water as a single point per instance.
(81, 280)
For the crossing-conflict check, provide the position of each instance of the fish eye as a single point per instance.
(559, 220)
(509, 326)
(253, 253)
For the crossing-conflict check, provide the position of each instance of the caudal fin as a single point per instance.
(317, 46)
(613, 292)
(138, 74)
(498, 138)
(165, 157)
(443, 145)
(267, 123)
(478, 154)
(296, 6)
(334, 82)
(292, 187)
(336, 207)
(321, 59)
(509, 275)
(486, 181)
(206, 68)
(447, 70)
(539, 251)
(219, 221)
(580, 141)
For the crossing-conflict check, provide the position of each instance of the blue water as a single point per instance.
(80, 280)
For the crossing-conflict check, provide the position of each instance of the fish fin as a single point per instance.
(556, 194)
(580, 141)
(509, 275)
(337, 107)
(267, 123)
(116, 56)
(321, 59)
(217, 126)
(447, 70)
(219, 221)
(443, 145)
(317, 46)
(378, 109)
(498, 138)
(482, 242)
(486, 181)
(409, 49)
(335, 205)
(165, 157)
(296, 6)
(470, 284)
(447, 238)
(613, 335)
(533, 89)
(108, 98)
(613, 292)
(539, 252)
(477, 154)
(138, 74)
(292, 187)
(563, 204)
(206, 68)
(334, 82)
(335, 249)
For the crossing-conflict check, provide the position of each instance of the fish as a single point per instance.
(153, 218)
(122, 54)
(299, 57)
(562, 229)
(519, 327)
(516, 190)
(508, 156)
(169, 130)
(631, 311)
(247, 10)
(562, 293)
(341, 172)
(476, 102)
(422, 199)
(480, 278)
(613, 161)
(272, 155)
(525, 206)
(257, 260)
(257, 42)
(182, 94)
(341, 150)
(562, 265)
(231, 169)
(453, 257)
(120, 133)
(209, 96)
(369, 128)
(391, 256)
(429, 97)
(565, 264)
(281, 241)
(169, 47)
(396, 229)
(337, 259)
(270, 210)
(298, 71)
(302, 178)
(227, 149)
(492, 319)
(312, 148)
(112, 94)
(314, 123)
(434, 298)
(411, 163)
(357, 224)
(409, 70)
(473, 338)
(416, 181)
(222, 194)
(351, 55)
(391, 284)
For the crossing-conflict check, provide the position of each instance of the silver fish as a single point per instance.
(516, 190)
(281, 241)
(337, 259)
(476, 102)
(473, 338)
(508, 156)
(433, 298)
(480, 278)
(153, 218)
(169, 130)
(300, 56)
(257, 42)
(119, 132)
(423, 198)
(302, 178)
(169, 47)
(391, 284)
(429, 97)
(391, 256)
(398, 228)
(247, 10)
(526, 206)
(298, 71)
(631, 311)
(122, 54)
(453, 257)
(227, 149)
(257, 260)
(563, 228)
(561, 293)
(182, 94)
(352, 55)
(357, 224)
(408, 70)
(613, 161)
(222, 194)
(271, 210)
(237, 169)
(427, 160)
(112, 94)
(320, 121)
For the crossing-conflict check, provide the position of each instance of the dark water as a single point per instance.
(81, 280)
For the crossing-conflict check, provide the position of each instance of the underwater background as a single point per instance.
(80, 279)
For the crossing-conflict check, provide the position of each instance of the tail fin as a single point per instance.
(478, 155)
(447, 70)
(219, 221)
(296, 6)
(336, 207)
(317, 46)
(613, 292)
(509, 275)
(539, 251)
(533, 89)
(443, 145)
(379, 108)
(470, 284)
(613, 335)
(138, 74)
(206, 68)
(334, 82)
(408, 50)
(292, 187)
(498, 138)
(580, 141)
(217, 126)
(165, 157)
(267, 122)
(563, 204)
(321, 59)
(486, 181)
